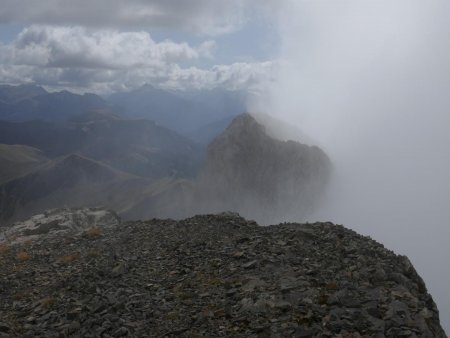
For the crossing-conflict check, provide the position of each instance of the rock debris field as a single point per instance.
(211, 276)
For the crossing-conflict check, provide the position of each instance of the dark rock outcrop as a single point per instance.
(211, 276)
(250, 172)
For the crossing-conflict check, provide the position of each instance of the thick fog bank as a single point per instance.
(370, 82)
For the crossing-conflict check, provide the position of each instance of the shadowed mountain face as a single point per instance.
(261, 177)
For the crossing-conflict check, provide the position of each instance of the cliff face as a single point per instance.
(248, 171)
(212, 275)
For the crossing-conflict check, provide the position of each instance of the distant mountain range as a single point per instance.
(28, 102)
(183, 112)
(138, 147)
(150, 153)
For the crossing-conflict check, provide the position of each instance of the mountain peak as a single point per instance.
(245, 121)
(261, 177)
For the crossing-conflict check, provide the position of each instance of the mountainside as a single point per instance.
(17, 160)
(70, 181)
(139, 147)
(250, 172)
(210, 276)
(53, 139)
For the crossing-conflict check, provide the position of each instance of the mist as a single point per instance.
(369, 81)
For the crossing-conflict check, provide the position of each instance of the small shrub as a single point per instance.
(322, 299)
(23, 256)
(4, 249)
(28, 242)
(172, 315)
(47, 302)
(93, 253)
(70, 258)
(215, 281)
(93, 232)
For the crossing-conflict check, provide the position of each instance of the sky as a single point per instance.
(368, 80)
(105, 46)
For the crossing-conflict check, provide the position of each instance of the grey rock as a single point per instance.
(182, 278)
(57, 222)
(4, 327)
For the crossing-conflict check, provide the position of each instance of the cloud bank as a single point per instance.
(108, 45)
(369, 81)
(108, 60)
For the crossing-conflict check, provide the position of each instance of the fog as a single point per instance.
(369, 81)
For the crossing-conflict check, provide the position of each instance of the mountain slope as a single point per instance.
(53, 139)
(248, 171)
(139, 147)
(70, 181)
(16, 160)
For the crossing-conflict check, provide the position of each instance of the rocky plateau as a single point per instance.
(206, 276)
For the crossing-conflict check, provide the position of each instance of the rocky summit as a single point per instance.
(210, 276)
(264, 178)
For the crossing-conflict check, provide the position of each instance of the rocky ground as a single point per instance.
(211, 276)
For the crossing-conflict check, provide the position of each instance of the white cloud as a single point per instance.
(78, 47)
(198, 16)
(106, 60)
(236, 76)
